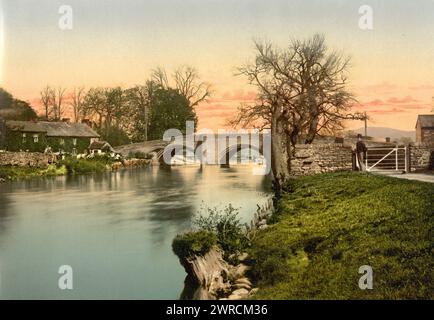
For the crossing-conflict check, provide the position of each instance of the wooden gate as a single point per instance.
(387, 159)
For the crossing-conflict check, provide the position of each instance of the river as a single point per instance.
(114, 229)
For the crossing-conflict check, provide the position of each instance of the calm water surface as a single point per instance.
(114, 229)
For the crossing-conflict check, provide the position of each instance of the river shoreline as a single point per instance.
(62, 168)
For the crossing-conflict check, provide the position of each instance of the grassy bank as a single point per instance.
(329, 225)
(64, 167)
(10, 173)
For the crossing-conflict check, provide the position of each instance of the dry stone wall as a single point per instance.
(320, 158)
(24, 159)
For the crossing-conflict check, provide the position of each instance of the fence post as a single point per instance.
(396, 158)
(408, 158)
(366, 160)
(353, 161)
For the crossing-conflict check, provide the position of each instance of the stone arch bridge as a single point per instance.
(206, 149)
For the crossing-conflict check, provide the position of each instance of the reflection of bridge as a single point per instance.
(204, 148)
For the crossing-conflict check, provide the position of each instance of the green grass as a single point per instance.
(85, 166)
(329, 225)
(67, 166)
(193, 243)
(10, 173)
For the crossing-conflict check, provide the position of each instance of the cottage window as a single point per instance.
(24, 138)
(74, 141)
(62, 141)
(35, 138)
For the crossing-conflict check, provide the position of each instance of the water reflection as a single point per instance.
(114, 229)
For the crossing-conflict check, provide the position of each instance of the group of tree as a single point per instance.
(15, 109)
(143, 112)
(302, 92)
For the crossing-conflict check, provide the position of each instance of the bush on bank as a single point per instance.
(193, 243)
(69, 165)
(212, 225)
(85, 166)
(10, 173)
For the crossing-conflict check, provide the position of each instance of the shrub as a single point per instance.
(138, 155)
(15, 172)
(193, 243)
(225, 225)
(83, 166)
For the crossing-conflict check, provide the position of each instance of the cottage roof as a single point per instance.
(101, 145)
(425, 120)
(24, 126)
(53, 129)
(64, 129)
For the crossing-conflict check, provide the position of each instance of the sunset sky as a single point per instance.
(118, 43)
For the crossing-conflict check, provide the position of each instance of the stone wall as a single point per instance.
(23, 159)
(422, 157)
(319, 158)
(425, 135)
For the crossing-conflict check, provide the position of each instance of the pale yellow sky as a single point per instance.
(119, 42)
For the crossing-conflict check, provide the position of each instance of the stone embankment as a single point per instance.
(25, 159)
(130, 163)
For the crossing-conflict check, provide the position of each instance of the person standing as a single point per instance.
(361, 153)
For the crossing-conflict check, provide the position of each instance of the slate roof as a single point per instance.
(53, 129)
(24, 126)
(64, 129)
(426, 120)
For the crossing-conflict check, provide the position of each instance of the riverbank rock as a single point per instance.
(244, 281)
(253, 291)
(262, 222)
(211, 272)
(239, 294)
(239, 271)
(243, 257)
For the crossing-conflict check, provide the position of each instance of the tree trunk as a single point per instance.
(280, 154)
(312, 132)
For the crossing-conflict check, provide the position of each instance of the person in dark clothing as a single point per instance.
(361, 152)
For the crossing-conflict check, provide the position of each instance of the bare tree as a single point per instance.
(271, 74)
(187, 81)
(76, 102)
(58, 95)
(94, 104)
(47, 100)
(159, 77)
(301, 93)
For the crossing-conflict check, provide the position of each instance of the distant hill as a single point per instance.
(382, 132)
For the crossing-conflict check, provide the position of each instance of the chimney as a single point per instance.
(86, 121)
